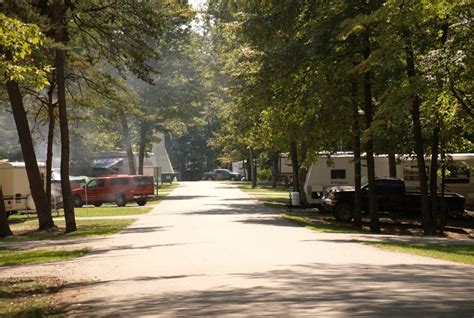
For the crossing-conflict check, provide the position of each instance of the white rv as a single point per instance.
(15, 185)
(339, 170)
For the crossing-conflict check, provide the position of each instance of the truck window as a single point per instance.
(338, 174)
(143, 180)
(100, 183)
(119, 182)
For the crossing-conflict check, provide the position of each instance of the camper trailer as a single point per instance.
(15, 185)
(339, 170)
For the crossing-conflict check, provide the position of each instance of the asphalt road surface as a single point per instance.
(211, 250)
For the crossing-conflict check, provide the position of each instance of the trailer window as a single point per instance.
(410, 173)
(338, 174)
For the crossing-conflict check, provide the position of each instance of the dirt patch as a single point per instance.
(29, 296)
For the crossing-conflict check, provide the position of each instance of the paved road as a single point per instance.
(209, 249)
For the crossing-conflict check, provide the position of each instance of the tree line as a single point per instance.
(108, 73)
(375, 77)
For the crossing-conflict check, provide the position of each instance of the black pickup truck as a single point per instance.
(391, 197)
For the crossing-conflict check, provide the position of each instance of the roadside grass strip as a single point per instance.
(271, 197)
(320, 225)
(9, 257)
(28, 297)
(27, 230)
(450, 252)
(108, 211)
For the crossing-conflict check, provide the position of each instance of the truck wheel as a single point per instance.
(98, 204)
(344, 212)
(120, 200)
(77, 201)
(141, 201)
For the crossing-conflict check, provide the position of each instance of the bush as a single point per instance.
(264, 174)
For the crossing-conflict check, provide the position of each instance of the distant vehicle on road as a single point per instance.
(120, 189)
(222, 174)
(391, 197)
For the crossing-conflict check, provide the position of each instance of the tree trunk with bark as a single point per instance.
(4, 226)
(369, 145)
(434, 174)
(392, 164)
(49, 147)
(127, 143)
(142, 146)
(357, 161)
(295, 166)
(275, 169)
(253, 171)
(59, 62)
(35, 180)
(418, 137)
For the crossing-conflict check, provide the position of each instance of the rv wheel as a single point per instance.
(344, 212)
(97, 204)
(120, 200)
(77, 201)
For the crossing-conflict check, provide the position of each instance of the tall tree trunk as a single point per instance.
(275, 171)
(295, 166)
(248, 168)
(38, 193)
(392, 164)
(369, 145)
(443, 212)
(357, 162)
(253, 172)
(58, 16)
(127, 143)
(4, 226)
(418, 137)
(302, 173)
(434, 174)
(49, 147)
(142, 146)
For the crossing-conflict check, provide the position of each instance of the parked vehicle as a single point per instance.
(391, 197)
(339, 171)
(120, 189)
(222, 174)
(16, 187)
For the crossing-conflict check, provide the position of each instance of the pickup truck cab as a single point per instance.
(120, 189)
(391, 197)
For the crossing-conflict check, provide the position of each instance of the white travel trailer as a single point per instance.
(339, 170)
(15, 185)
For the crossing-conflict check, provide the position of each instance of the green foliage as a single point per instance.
(19, 41)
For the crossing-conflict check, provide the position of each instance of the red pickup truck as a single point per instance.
(118, 188)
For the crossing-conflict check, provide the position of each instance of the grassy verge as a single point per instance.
(28, 297)
(26, 231)
(10, 257)
(322, 224)
(272, 197)
(106, 211)
(450, 252)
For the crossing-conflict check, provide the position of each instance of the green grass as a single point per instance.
(26, 231)
(271, 197)
(92, 211)
(450, 252)
(323, 224)
(10, 257)
(28, 297)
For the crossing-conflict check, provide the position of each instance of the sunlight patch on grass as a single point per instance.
(450, 252)
(9, 257)
(27, 230)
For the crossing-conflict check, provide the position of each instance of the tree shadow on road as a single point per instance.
(344, 290)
